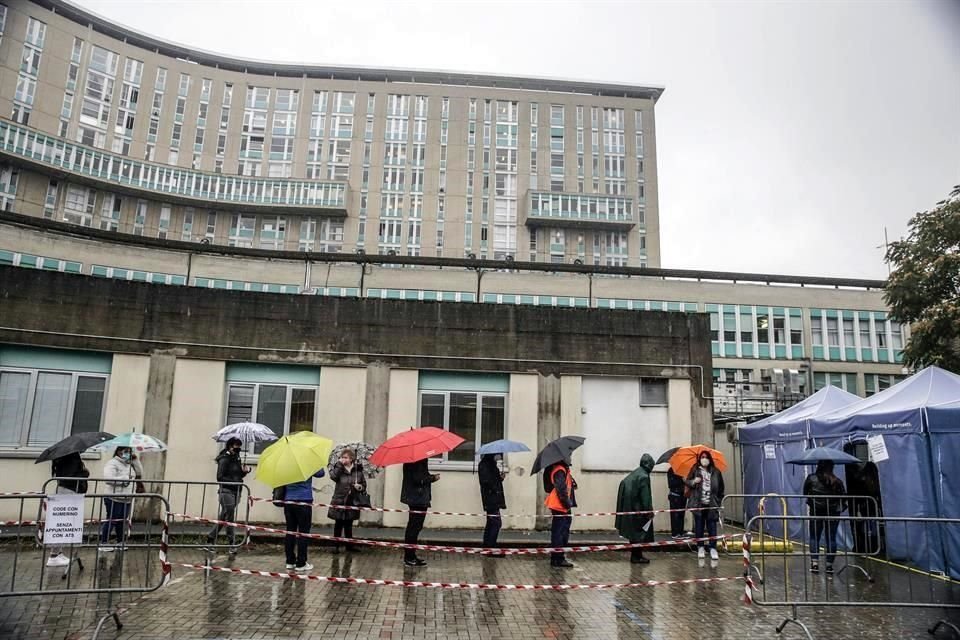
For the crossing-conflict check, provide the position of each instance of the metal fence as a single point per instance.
(189, 496)
(830, 572)
(135, 562)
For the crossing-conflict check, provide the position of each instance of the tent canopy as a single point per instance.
(898, 409)
(791, 424)
(944, 418)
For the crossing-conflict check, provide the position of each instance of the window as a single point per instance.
(471, 405)
(816, 328)
(833, 332)
(40, 407)
(653, 392)
(78, 206)
(282, 407)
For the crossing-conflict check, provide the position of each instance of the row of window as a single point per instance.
(64, 393)
(56, 153)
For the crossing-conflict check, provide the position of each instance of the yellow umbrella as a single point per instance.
(293, 458)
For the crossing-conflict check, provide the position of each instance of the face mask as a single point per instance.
(704, 462)
(125, 457)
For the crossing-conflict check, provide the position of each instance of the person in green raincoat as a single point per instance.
(635, 495)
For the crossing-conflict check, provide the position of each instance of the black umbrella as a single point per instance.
(559, 449)
(665, 457)
(74, 444)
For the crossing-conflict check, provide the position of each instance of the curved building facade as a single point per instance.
(113, 129)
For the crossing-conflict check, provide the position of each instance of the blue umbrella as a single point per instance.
(824, 454)
(502, 446)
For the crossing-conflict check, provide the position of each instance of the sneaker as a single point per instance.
(701, 553)
(291, 567)
(640, 560)
(104, 549)
(58, 560)
(305, 568)
(714, 555)
(829, 570)
(415, 562)
(562, 564)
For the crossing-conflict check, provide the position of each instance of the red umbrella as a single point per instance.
(414, 445)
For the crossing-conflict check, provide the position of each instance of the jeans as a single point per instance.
(703, 520)
(228, 511)
(677, 517)
(817, 527)
(492, 528)
(298, 520)
(116, 515)
(414, 527)
(559, 533)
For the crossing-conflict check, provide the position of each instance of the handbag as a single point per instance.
(360, 499)
(279, 495)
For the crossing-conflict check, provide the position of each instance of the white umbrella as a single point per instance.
(246, 432)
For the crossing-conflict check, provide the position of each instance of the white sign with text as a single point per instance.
(64, 523)
(878, 448)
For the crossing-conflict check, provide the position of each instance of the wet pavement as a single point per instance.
(200, 604)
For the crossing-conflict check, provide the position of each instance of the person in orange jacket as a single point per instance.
(561, 499)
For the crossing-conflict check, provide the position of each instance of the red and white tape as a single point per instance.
(507, 551)
(747, 580)
(253, 499)
(456, 585)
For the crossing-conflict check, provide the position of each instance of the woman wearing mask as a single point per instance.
(706, 493)
(230, 470)
(121, 473)
(823, 491)
(491, 493)
(348, 479)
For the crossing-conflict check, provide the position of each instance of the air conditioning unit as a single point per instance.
(775, 378)
(793, 381)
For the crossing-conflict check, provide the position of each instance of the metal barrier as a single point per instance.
(137, 563)
(914, 571)
(184, 494)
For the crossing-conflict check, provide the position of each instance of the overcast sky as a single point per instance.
(789, 135)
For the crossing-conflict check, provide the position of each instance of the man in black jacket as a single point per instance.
(416, 494)
(230, 470)
(491, 493)
(675, 490)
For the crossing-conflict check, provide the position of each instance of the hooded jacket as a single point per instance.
(635, 495)
(229, 469)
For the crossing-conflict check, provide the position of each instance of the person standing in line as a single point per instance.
(230, 470)
(824, 493)
(68, 466)
(635, 495)
(416, 493)
(675, 491)
(347, 475)
(299, 518)
(121, 473)
(561, 499)
(706, 493)
(491, 493)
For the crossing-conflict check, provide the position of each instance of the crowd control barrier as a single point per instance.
(806, 576)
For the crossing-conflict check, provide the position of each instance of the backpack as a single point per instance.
(279, 494)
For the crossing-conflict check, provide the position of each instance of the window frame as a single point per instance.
(250, 455)
(443, 462)
(67, 427)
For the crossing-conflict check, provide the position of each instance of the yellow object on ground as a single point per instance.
(765, 546)
(293, 458)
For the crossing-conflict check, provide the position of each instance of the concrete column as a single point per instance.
(156, 419)
(548, 428)
(376, 412)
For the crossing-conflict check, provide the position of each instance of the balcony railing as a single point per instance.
(579, 209)
(93, 164)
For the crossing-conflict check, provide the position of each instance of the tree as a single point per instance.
(924, 288)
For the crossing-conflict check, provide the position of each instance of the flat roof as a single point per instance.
(136, 38)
